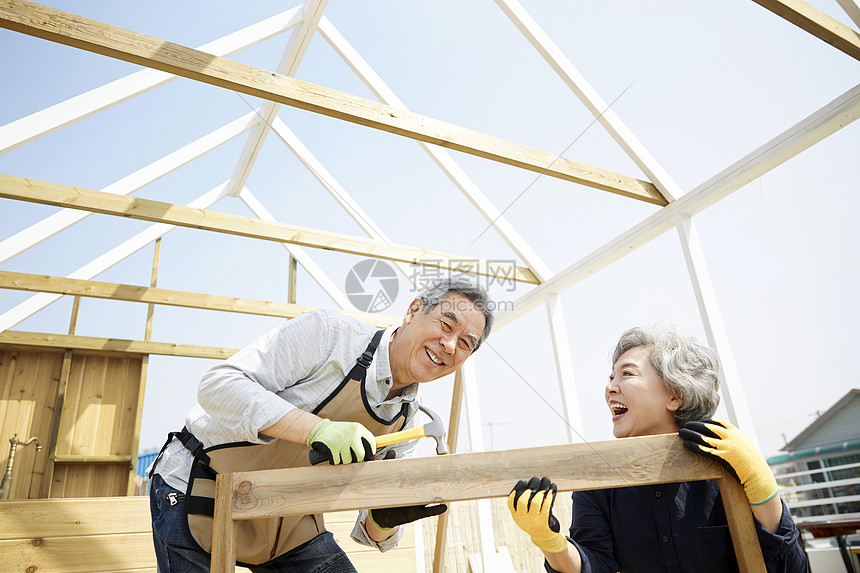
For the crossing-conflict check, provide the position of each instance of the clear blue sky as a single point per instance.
(700, 84)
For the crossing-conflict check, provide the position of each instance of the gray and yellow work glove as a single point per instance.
(534, 514)
(721, 441)
(390, 517)
(342, 442)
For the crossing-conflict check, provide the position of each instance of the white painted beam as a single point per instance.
(300, 255)
(590, 98)
(564, 369)
(334, 188)
(442, 158)
(56, 117)
(718, 338)
(298, 44)
(50, 226)
(852, 8)
(37, 302)
(804, 134)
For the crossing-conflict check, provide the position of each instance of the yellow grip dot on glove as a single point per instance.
(723, 442)
(530, 505)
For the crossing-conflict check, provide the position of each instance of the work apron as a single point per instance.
(261, 540)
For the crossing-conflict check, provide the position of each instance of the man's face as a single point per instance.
(429, 346)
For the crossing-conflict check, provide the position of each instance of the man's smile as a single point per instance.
(434, 357)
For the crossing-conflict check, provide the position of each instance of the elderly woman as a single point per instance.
(662, 382)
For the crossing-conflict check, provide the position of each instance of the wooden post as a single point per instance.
(223, 527)
(291, 281)
(144, 368)
(741, 526)
(50, 457)
(453, 432)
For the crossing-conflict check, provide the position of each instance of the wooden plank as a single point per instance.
(94, 459)
(223, 526)
(90, 480)
(45, 193)
(74, 517)
(84, 33)
(741, 526)
(14, 338)
(153, 295)
(458, 477)
(84, 418)
(817, 23)
(28, 384)
(79, 554)
(56, 117)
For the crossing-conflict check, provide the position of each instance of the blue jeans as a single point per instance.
(177, 552)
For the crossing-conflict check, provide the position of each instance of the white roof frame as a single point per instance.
(309, 18)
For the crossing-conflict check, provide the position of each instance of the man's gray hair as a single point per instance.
(435, 292)
(690, 371)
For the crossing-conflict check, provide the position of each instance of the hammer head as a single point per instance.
(435, 429)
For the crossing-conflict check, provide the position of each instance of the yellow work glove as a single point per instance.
(721, 441)
(533, 513)
(342, 442)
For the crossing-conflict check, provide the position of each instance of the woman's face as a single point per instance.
(637, 397)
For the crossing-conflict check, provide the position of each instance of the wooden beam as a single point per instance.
(112, 345)
(741, 526)
(79, 32)
(53, 224)
(22, 189)
(461, 477)
(817, 23)
(443, 159)
(224, 527)
(133, 293)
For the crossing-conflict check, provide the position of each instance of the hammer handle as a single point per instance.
(381, 441)
(401, 436)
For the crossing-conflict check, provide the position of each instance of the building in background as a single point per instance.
(819, 476)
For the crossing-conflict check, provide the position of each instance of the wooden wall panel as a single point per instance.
(28, 388)
(97, 422)
(72, 480)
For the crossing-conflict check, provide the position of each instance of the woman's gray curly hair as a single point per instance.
(690, 371)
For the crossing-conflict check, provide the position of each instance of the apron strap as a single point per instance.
(362, 363)
(188, 440)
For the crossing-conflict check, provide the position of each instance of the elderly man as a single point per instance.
(324, 381)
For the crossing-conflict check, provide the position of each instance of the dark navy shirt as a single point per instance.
(670, 528)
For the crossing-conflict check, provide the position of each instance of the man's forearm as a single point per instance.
(295, 427)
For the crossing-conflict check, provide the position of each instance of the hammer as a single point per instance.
(434, 429)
